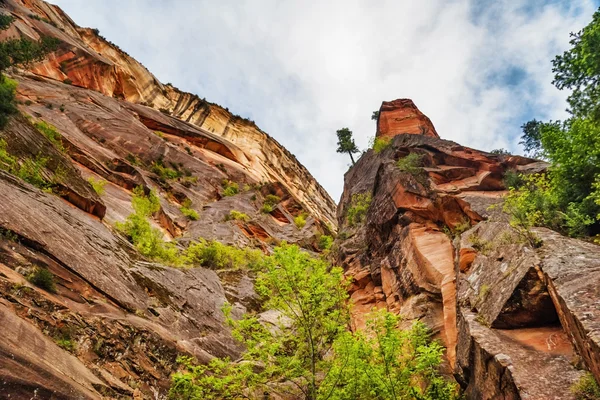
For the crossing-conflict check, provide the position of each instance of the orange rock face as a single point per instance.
(403, 116)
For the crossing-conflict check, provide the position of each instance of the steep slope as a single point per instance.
(116, 321)
(512, 317)
(87, 60)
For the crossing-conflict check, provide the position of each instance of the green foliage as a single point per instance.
(66, 344)
(359, 205)
(51, 133)
(188, 211)
(165, 173)
(532, 138)
(375, 115)
(309, 353)
(31, 170)
(513, 180)
(346, 143)
(325, 242)
(8, 89)
(586, 388)
(217, 256)
(578, 69)
(17, 52)
(230, 188)
(237, 216)
(413, 164)
(270, 203)
(97, 185)
(381, 143)
(5, 21)
(43, 279)
(385, 362)
(569, 194)
(300, 221)
(146, 239)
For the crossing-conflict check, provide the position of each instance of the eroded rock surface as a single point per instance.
(514, 319)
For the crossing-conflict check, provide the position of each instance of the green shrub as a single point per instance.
(217, 256)
(43, 279)
(8, 107)
(30, 170)
(381, 143)
(165, 173)
(300, 221)
(325, 242)
(66, 344)
(67, 81)
(359, 205)
(513, 179)
(147, 240)
(230, 188)
(384, 362)
(188, 211)
(97, 185)
(237, 216)
(270, 203)
(413, 164)
(586, 388)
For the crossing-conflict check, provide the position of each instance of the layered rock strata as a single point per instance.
(514, 318)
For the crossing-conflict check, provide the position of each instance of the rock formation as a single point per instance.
(514, 318)
(117, 322)
(518, 321)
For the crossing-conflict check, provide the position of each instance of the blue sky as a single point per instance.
(302, 69)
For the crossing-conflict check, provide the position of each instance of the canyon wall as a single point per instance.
(518, 321)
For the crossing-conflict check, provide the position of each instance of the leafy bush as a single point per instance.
(413, 164)
(237, 216)
(586, 388)
(8, 89)
(188, 211)
(30, 170)
(217, 256)
(230, 188)
(97, 185)
(66, 344)
(147, 240)
(311, 297)
(270, 203)
(513, 180)
(381, 143)
(359, 205)
(300, 221)
(165, 173)
(43, 279)
(325, 242)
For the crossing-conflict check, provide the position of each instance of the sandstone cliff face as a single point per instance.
(117, 321)
(88, 60)
(513, 318)
(403, 116)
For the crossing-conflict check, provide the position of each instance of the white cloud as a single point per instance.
(302, 69)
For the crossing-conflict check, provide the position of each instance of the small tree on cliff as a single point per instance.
(309, 353)
(375, 115)
(346, 143)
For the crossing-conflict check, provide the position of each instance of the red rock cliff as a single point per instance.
(403, 116)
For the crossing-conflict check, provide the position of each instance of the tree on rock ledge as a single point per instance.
(346, 143)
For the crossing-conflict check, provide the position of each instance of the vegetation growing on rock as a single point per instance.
(359, 205)
(309, 352)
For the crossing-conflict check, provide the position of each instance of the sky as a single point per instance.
(301, 69)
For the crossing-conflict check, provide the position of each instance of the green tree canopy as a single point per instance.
(579, 69)
(309, 352)
(346, 143)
